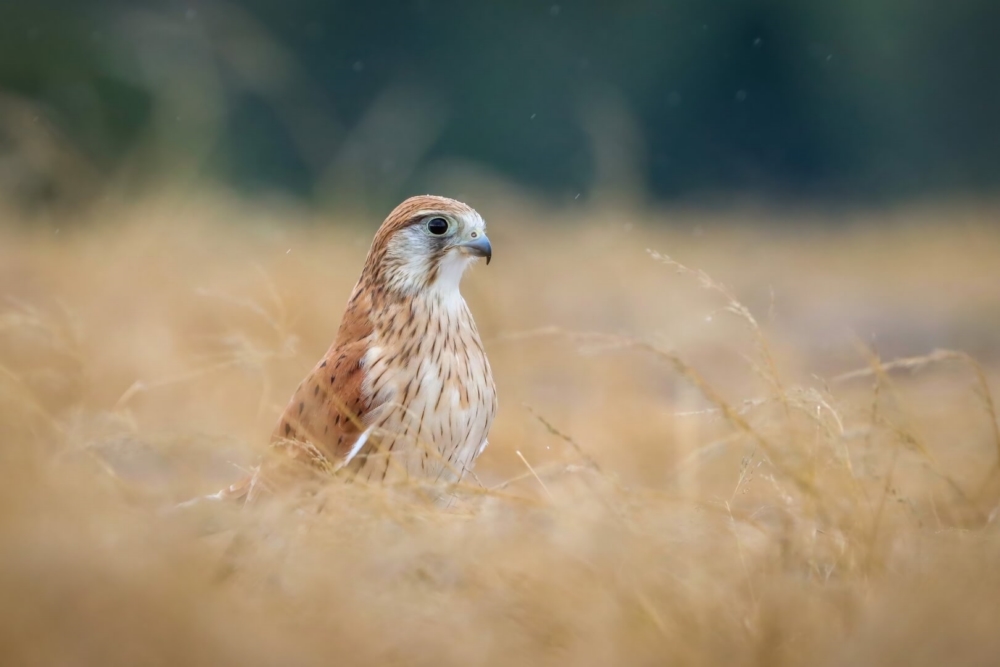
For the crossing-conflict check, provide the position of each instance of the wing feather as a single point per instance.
(325, 422)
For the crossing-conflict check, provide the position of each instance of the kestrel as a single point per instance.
(405, 391)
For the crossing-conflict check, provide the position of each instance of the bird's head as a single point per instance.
(426, 244)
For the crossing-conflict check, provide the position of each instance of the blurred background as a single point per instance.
(780, 442)
(834, 103)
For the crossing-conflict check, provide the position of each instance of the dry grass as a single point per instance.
(681, 472)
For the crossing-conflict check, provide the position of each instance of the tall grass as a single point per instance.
(787, 454)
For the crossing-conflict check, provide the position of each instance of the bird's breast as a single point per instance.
(429, 379)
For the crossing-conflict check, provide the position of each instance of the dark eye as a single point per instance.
(437, 226)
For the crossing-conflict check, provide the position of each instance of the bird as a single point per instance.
(405, 392)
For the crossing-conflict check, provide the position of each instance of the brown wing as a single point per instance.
(326, 414)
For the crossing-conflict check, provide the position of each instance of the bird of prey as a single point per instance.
(405, 391)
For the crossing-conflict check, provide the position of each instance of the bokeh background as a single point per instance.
(742, 313)
(833, 102)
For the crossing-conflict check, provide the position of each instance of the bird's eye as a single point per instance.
(437, 226)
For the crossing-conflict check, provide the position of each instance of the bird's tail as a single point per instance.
(284, 463)
(242, 491)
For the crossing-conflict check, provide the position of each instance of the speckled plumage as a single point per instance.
(406, 389)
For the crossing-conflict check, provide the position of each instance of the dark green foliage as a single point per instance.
(848, 100)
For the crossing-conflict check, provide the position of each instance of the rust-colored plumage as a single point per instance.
(406, 389)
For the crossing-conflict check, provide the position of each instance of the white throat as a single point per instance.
(449, 275)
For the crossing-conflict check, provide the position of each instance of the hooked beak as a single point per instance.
(478, 247)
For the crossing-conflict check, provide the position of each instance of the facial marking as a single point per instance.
(417, 258)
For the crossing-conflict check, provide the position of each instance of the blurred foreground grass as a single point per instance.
(681, 472)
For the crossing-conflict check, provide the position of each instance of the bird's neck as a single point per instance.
(440, 306)
(438, 278)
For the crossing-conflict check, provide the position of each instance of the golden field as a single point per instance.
(785, 454)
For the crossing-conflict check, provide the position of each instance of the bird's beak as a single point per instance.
(478, 247)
